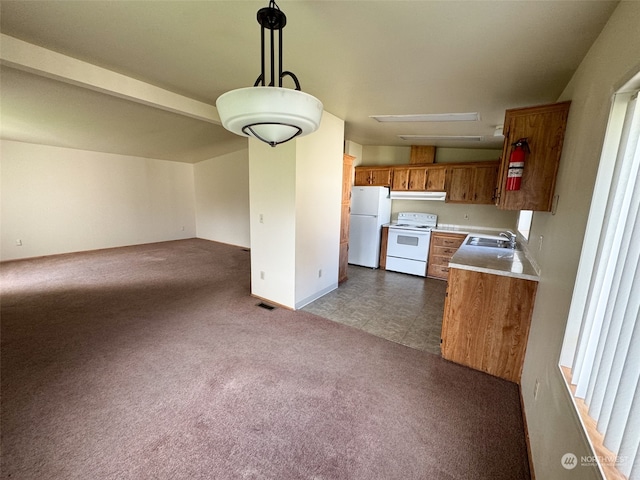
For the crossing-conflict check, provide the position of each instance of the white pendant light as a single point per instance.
(272, 114)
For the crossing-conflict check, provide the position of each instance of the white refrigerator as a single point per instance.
(370, 209)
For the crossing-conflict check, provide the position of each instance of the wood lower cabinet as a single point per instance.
(486, 321)
(544, 128)
(443, 246)
(374, 176)
(384, 241)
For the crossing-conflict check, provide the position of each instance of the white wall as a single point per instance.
(554, 428)
(295, 191)
(222, 198)
(318, 199)
(272, 176)
(60, 200)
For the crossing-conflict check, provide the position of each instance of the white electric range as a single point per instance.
(408, 243)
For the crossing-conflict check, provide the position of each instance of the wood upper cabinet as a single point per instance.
(422, 154)
(544, 128)
(486, 321)
(436, 179)
(347, 181)
(409, 178)
(374, 176)
(472, 183)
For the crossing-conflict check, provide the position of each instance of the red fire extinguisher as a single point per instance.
(516, 164)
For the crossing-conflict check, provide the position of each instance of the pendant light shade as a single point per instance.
(270, 113)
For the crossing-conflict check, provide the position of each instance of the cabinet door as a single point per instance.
(380, 177)
(435, 179)
(362, 177)
(484, 183)
(486, 321)
(472, 183)
(417, 179)
(544, 128)
(347, 177)
(459, 184)
(400, 179)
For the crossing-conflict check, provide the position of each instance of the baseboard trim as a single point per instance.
(306, 301)
(526, 434)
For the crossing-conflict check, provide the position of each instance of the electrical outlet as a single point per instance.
(261, 275)
(536, 387)
(261, 219)
(18, 243)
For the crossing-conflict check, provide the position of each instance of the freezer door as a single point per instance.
(364, 241)
(366, 200)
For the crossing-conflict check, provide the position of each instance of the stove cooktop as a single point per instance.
(415, 221)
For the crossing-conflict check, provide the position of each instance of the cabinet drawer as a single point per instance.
(439, 260)
(444, 251)
(448, 241)
(438, 271)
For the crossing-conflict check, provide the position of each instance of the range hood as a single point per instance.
(411, 195)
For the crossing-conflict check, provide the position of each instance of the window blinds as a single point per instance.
(606, 367)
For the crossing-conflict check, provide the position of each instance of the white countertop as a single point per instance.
(496, 261)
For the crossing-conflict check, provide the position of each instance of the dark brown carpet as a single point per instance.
(155, 362)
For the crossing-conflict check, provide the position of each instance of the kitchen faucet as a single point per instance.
(511, 237)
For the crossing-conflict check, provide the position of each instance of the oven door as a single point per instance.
(408, 244)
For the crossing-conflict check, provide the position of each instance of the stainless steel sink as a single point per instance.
(488, 242)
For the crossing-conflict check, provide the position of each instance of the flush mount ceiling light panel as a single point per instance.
(429, 117)
(270, 113)
(431, 138)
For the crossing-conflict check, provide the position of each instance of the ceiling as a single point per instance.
(360, 58)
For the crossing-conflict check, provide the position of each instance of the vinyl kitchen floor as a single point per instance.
(402, 308)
